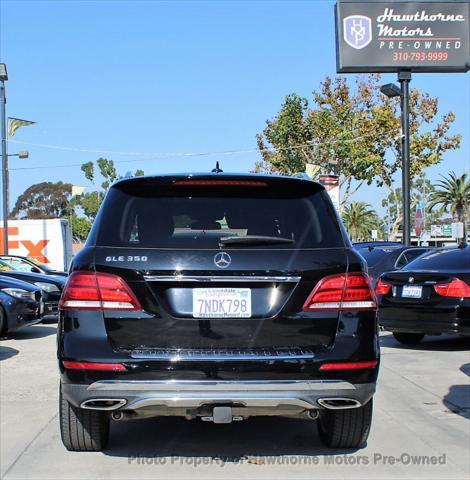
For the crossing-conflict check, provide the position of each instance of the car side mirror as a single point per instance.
(35, 270)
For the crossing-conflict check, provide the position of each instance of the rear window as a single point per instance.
(409, 255)
(138, 214)
(374, 255)
(455, 260)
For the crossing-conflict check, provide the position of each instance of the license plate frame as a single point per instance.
(227, 302)
(412, 291)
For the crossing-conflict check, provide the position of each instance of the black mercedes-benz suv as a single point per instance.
(220, 297)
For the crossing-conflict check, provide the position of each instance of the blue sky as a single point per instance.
(157, 77)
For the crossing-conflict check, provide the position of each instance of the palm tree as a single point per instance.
(359, 219)
(453, 194)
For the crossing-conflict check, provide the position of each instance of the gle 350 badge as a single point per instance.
(126, 258)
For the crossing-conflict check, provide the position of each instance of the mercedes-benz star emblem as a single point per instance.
(222, 260)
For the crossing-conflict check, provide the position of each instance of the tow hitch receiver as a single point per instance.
(222, 415)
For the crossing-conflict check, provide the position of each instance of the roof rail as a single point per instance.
(302, 175)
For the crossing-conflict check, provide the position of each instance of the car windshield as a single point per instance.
(373, 255)
(450, 259)
(203, 217)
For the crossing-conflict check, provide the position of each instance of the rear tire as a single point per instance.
(82, 430)
(347, 428)
(408, 338)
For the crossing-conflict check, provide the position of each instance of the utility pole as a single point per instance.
(3, 101)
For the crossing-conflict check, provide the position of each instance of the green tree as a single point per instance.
(360, 219)
(90, 202)
(43, 200)
(80, 227)
(354, 132)
(452, 193)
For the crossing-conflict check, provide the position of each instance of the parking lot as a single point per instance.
(421, 426)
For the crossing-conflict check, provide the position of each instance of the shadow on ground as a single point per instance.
(240, 441)
(28, 333)
(441, 343)
(7, 352)
(457, 399)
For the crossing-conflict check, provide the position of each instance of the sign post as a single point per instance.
(404, 78)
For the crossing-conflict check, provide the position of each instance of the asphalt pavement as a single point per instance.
(421, 426)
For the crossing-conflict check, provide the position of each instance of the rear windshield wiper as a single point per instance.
(254, 240)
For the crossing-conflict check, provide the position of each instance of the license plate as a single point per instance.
(221, 303)
(412, 291)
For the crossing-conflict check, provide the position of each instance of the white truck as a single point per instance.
(48, 241)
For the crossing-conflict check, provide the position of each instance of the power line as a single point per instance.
(147, 156)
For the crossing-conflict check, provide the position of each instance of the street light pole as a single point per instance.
(391, 90)
(3, 101)
(404, 79)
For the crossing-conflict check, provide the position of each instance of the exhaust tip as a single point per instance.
(338, 403)
(103, 403)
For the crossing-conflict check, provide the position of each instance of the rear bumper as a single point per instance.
(259, 396)
(429, 327)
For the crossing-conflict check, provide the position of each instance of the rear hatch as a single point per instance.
(223, 264)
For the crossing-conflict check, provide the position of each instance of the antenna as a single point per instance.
(217, 168)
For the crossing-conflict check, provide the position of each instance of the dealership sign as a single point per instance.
(375, 36)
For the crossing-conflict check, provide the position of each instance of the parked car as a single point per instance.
(51, 286)
(5, 266)
(384, 257)
(430, 296)
(219, 296)
(28, 264)
(20, 304)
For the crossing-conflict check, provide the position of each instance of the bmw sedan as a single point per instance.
(430, 296)
(20, 304)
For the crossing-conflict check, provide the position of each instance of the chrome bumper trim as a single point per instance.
(221, 278)
(175, 386)
(218, 355)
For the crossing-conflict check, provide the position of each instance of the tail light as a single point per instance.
(114, 367)
(349, 365)
(455, 288)
(97, 291)
(345, 291)
(382, 288)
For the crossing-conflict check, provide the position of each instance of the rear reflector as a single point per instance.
(349, 365)
(233, 183)
(350, 291)
(456, 288)
(115, 367)
(97, 291)
(382, 288)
